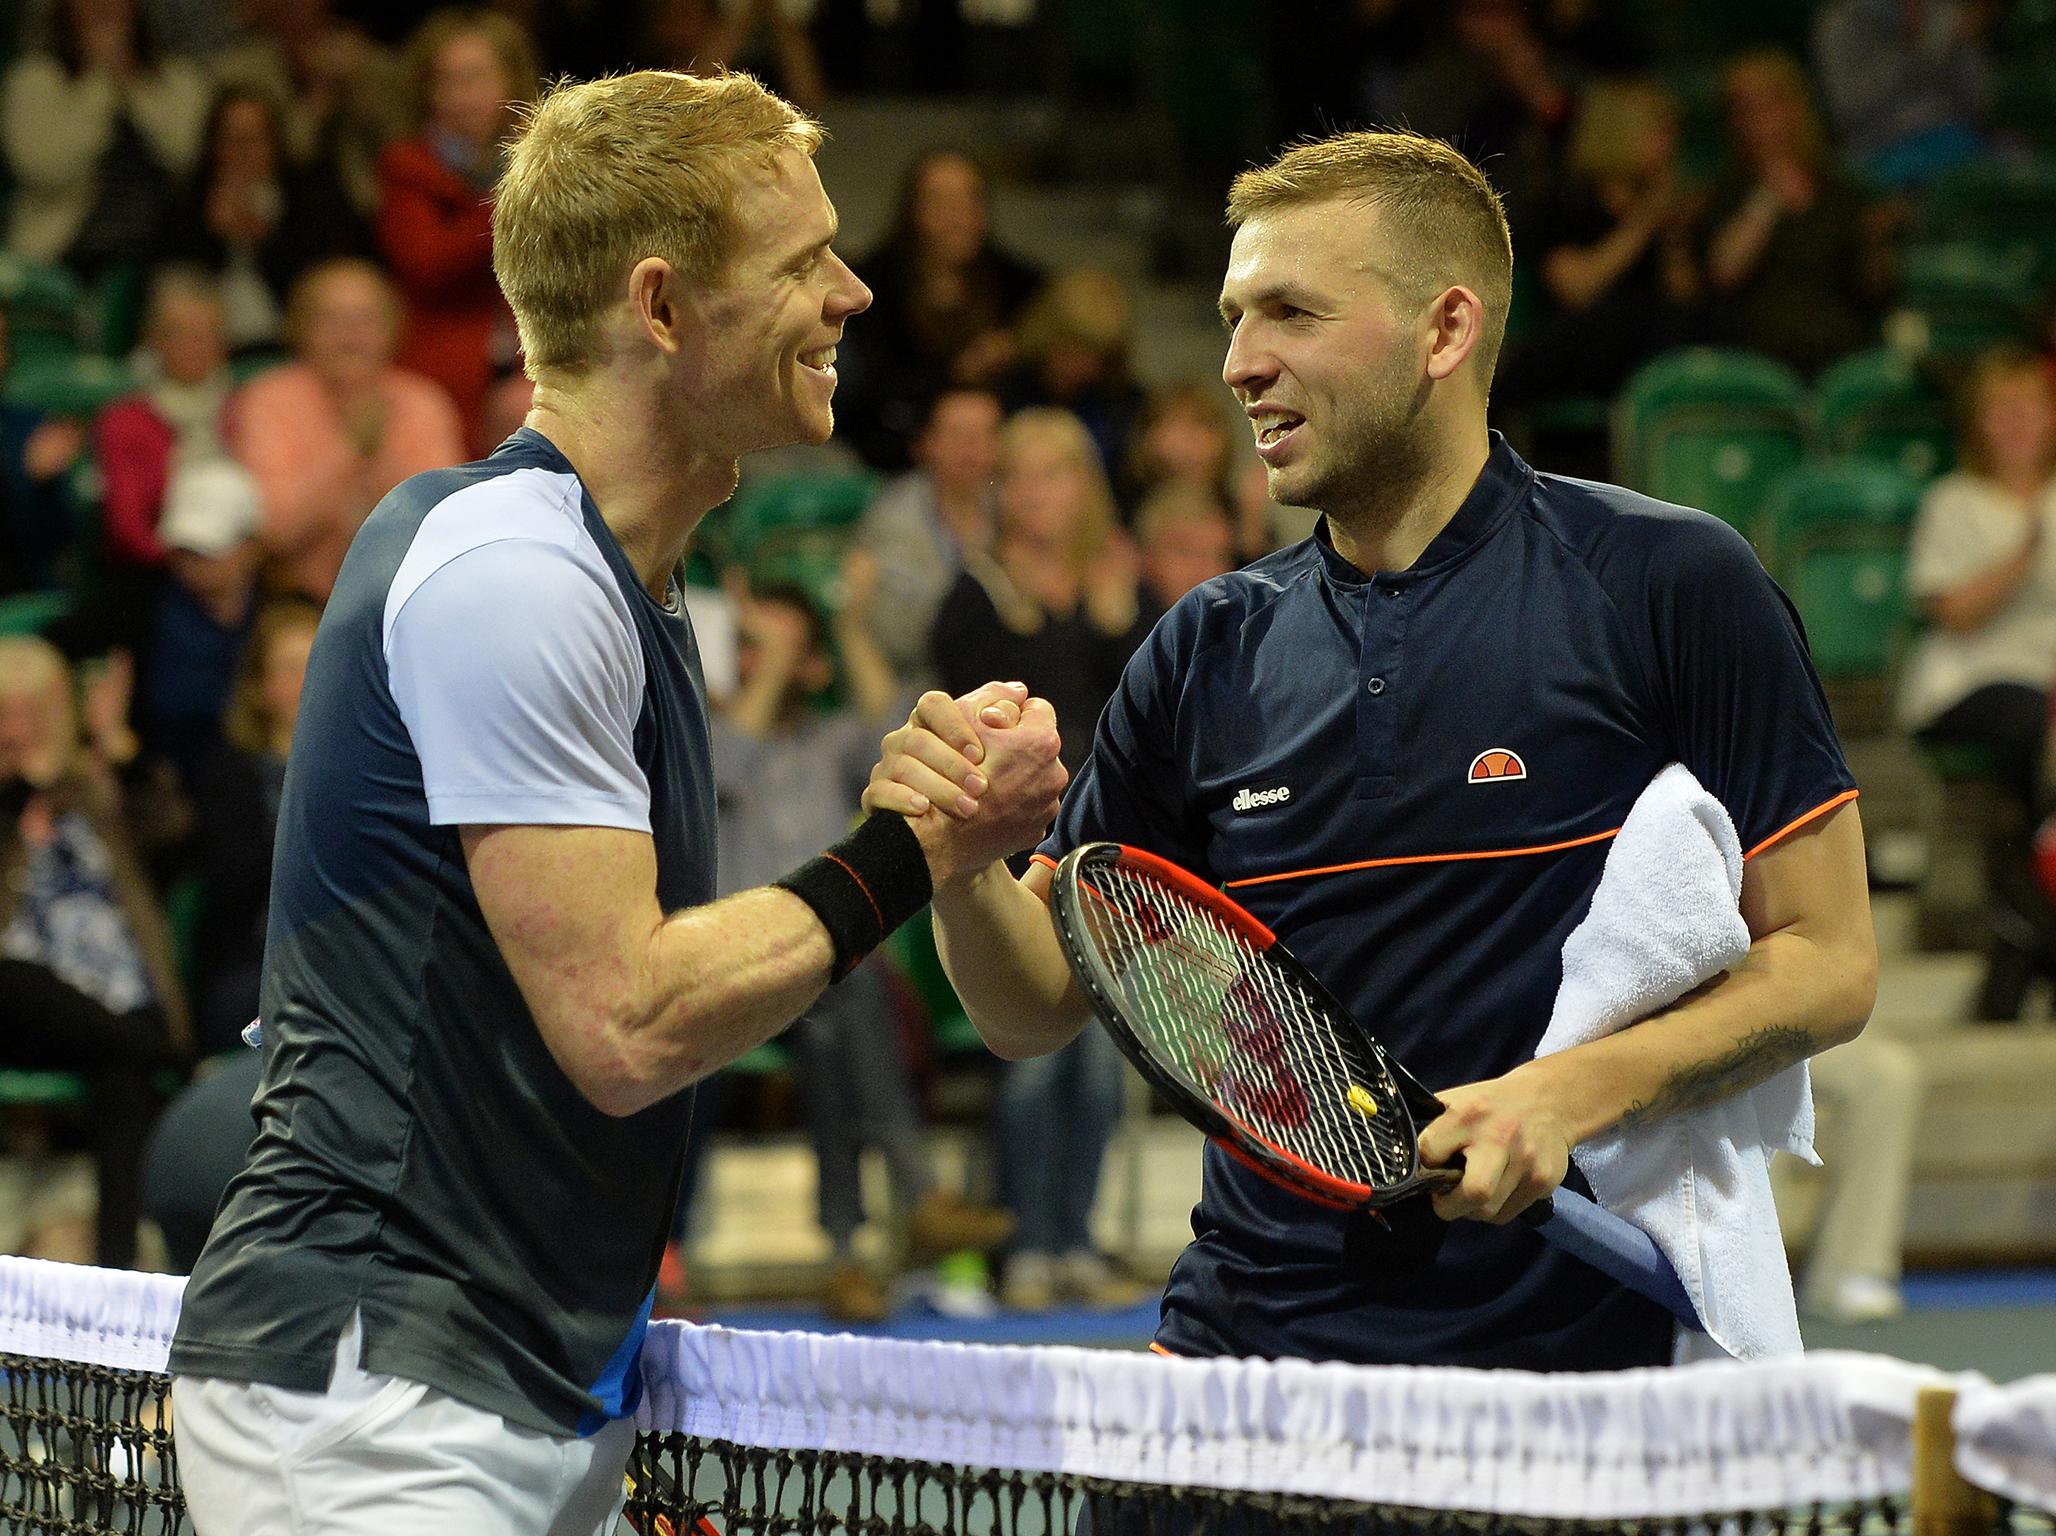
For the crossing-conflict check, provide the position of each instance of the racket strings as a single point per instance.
(1244, 1031)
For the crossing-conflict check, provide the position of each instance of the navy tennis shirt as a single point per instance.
(1413, 779)
(488, 657)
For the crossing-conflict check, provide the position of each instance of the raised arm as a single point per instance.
(635, 1004)
(993, 932)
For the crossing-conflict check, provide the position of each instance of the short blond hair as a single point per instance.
(1445, 222)
(604, 173)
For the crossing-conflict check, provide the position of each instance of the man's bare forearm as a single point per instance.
(1756, 1057)
(1788, 999)
(994, 935)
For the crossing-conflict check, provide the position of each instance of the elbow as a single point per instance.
(1854, 995)
(618, 1069)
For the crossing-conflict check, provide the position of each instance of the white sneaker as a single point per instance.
(1031, 1283)
(1859, 1299)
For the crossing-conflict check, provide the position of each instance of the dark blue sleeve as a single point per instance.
(1734, 682)
(1133, 788)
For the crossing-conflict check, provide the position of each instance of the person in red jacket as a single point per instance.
(174, 416)
(470, 68)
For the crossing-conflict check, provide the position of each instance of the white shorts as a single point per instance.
(383, 1456)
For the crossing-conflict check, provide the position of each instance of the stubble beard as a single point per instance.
(1378, 454)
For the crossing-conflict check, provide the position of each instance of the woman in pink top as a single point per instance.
(331, 432)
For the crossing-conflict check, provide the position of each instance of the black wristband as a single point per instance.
(864, 886)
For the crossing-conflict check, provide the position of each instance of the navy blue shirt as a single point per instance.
(488, 657)
(1413, 779)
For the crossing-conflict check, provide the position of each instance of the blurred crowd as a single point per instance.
(249, 290)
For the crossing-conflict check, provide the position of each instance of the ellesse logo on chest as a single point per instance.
(1259, 797)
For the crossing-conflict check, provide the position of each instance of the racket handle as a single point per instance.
(1615, 1247)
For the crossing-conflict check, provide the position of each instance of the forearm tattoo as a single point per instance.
(1758, 1055)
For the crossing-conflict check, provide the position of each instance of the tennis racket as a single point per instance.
(1248, 1045)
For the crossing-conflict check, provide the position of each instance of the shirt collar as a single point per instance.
(1500, 486)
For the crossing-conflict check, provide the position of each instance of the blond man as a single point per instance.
(1453, 610)
(494, 959)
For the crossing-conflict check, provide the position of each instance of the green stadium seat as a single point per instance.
(912, 948)
(30, 613)
(1968, 295)
(26, 1088)
(1838, 531)
(2005, 207)
(42, 305)
(1710, 428)
(1876, 405)
(805, 519)
(770, 1059)
(77, 386)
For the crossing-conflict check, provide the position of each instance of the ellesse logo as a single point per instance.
(1250, 798)
(1496, 765)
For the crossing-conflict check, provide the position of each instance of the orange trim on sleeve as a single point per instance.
(1793, 826)
(1158, 1349)
(1042, 858)
(1427, 858)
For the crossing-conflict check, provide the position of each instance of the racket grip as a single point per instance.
(1615, 1247)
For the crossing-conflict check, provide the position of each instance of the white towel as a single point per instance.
(1666, 918)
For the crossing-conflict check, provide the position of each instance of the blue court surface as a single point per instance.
(2001, 1322)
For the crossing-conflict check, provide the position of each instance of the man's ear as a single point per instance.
(1456, 322)
(656, 299)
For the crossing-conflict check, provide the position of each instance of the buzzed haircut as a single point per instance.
(604, 173)
(1445, 222)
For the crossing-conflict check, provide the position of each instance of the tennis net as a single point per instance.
(768, 1434)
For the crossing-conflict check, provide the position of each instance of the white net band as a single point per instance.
(1818, 1429)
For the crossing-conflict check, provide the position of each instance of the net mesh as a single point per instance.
(755, 1434)
(1242, 1030)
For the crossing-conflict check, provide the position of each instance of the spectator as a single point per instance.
(1617, 267)
(85, 959)
(761, 36)
(235, 808)
(1074, 340)
(1908, 83)
(1794, 265)
(202, 616)
(1874, 1087)
(922, 524)
(37, 453)
(1983, 566)
(343, 94)
(1057, 607)
(789, 773)
(1491, 85)
(174, 417)
(98, 127)
(331, 432)
(1185, 437)
(1184, 535)
(945, 299)
(470, 70)
(256, 221)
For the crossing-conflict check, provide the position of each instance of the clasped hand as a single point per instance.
(978, 775)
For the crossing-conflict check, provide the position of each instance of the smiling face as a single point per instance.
(1326, 353)
(772, 320)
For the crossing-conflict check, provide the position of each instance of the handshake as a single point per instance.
(978, 776)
